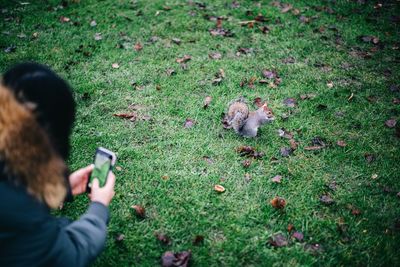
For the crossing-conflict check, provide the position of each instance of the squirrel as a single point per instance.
(245, 122)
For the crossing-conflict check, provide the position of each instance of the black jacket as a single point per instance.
(31, 236)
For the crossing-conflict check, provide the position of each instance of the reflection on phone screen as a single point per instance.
(102, 164)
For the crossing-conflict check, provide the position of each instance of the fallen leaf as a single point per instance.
(278, 240)
(115, 66)
(329, 84)
(374, 176)
(132, 116)
(326, 199)
(278, 202)
(258, 102)
(304, 19)
(264, 29)
(391, 123)
(64, 19)
(286, 151)
(318, 141)
(298, 236)
(189, 123)
(153, 39)
(35, 35)
(10, 49)
(369, 39)
(219, 188)
(248, 23)
(341, 143)
(139, 211)
(290, 102)
(138, 46)
(332, 186)
(286, 8)
(184, 59)
(21, 35)
(260, 18)
(293, 144)
(249, 151)
(176, 41)
(180, 259)
(215, 55)
(350, 97)
(170, 72)
(208, 160)
(207, 102)
(277, 179)
(119, 237)
(396, 101)
(93, 23)
(221, 32)
(246, 163)
(198, 240)
(295, 11)
(243, 50)
(163, 238)
(289, 60)
(218, 77)
(269, 74)
(369, 157)
(290, 227)
(97, 36)
(355, 212)
(285, 134)
(118, 168)
(314, 248)
(235, 4)
(184, 66)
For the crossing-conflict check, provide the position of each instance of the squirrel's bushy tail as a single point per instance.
(238, 112)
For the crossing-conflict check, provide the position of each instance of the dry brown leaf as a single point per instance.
(139, 211)
(277, 179)
(219, 188)
(138, 46)
(207, 101)
(278, 202)
(184, 59)
(180, 259)
(341, 143)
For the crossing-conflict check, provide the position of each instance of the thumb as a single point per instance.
(95, 183)
(110, 180)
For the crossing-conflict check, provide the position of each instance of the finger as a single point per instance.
(110, 180)
(86, 172)
(88, 169)
(95, 184)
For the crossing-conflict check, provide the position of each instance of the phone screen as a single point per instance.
(102, 165)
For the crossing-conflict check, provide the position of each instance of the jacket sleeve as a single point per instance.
(81, 241)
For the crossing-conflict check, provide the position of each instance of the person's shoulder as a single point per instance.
(18, 209)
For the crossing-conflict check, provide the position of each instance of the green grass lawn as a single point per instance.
(171, 170)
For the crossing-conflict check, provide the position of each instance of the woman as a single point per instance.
(36, 117)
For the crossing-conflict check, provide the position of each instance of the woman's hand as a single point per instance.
(79, 179)
(104, 194)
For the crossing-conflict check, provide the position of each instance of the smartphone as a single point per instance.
(104, 161)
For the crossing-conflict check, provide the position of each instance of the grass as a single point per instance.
(161, 163)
